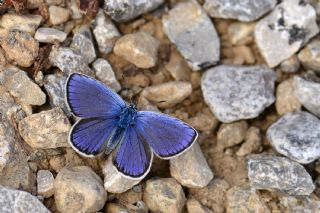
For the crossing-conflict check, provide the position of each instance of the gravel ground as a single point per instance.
(245, 74)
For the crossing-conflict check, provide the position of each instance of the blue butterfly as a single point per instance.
(108, 125)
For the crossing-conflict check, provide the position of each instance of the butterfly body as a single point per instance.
(127, 117)
(107, 125)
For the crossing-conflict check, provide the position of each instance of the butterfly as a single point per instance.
(108, 125)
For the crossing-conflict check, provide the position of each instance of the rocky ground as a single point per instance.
(245, 74)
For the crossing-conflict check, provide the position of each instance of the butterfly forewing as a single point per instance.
(89, 98)
(166, 135)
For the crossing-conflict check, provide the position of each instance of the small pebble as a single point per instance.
(242, 199)
(45, 130)
(69, 61)
(231, 134)
(19, 201)
(25, 90)
(25, 23)
(286, 100)
(126, 10)
(58, 15)
(79, 189)
(238, 92)
(50, 35)
(309, 56)
(55, 84)
(20, 47)
(138, 48)
(290, 65)
(115, 182)
(245, 11)
(177, 67)
(194, 206)
(198, 173)
(204, 121)
(105, 32)
(105, 74)
(164, 195)
(82, 42)
(241, 33)
(213, 196)
(194, 35)
(296, 135)
(115, 208)
(283, 32)
(307, 92)
(168, 94)
(252, 142)
(278, 173)
(45, 182)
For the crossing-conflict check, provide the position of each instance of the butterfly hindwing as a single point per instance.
(133, 155)
(92, 136)
(167, 136)
(89, 98)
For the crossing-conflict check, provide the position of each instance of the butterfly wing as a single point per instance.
(133, 156)
(92, 136)
(87, 97)
(167, 136)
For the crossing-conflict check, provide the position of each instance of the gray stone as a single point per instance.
(114, 181)
(45, 182)
(197, 174)
(164, 195)
(45, 130)
(19, 47)
(79, 189)
(296, 135)
(168, 94)
(302, 204)
(309, 56)
(238, 92)
(49, 35)
(58, 15)
(69, 61)
(54, 85)
(105, 32)
(307, 92)
(139, 48)
(231, 134)
(27, 23)
(25, 90)
(213, 196)
(285, 31)
(249, 10)
(14, 201)
(242, 199)
(83, 43)
(290, 65)
(105, 74)
(278, 173)
(14, 168)
(286, 100)
(193, 33)
(126, 10)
